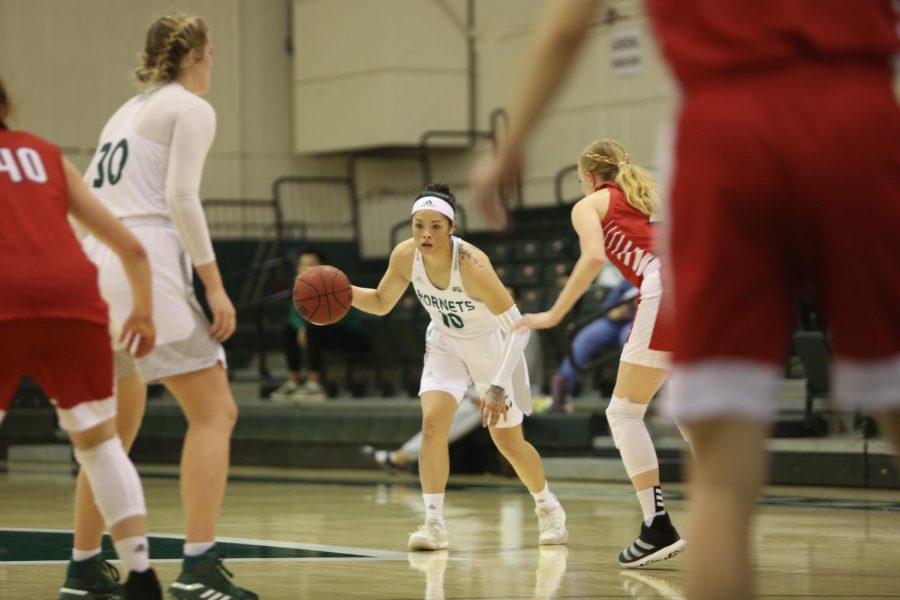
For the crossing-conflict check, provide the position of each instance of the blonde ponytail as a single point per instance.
(607, 160)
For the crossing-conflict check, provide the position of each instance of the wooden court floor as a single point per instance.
(342, 534)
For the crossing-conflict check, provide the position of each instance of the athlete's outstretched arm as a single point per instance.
(565, 28)
(104, 226)
(381, 300)
(590, 240)
(481, 281)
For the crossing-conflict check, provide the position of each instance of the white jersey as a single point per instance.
(464, 342)
(139, 189)
(149, 162)
(147, 171)
(452, 311)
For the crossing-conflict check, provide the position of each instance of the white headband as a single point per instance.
(433, 203)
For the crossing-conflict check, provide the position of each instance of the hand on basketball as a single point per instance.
(493, 406)
(224, 319)
(542, 320)
(138, 334)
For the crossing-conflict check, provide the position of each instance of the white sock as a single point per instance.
(134, 552)
(114, 480)
(434, 506)
(544, 498)
(79, 555)
(381, 456)
(197, 548)
(651, 501)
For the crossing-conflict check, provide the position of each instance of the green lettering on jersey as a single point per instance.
(114, 158)
(452, 320)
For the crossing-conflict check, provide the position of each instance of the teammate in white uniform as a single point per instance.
(147, 171)
(470, 340)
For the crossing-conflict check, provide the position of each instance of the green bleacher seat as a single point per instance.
(498, 251)
(555, 269)
(527, 250)
(591, 302)
(558, 247)
(504, 272)
(532, 300)
(526, 274)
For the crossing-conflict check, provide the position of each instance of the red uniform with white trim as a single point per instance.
(630, 244)
(787, 169)
(629, 237)
(53, 323)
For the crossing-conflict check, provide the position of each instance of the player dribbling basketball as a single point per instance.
(470, 340)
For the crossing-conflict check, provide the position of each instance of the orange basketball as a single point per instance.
(322, 295)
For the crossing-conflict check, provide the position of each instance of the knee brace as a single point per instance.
(114, 481)
(630, 435)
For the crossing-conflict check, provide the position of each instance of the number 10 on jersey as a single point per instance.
(452, 320)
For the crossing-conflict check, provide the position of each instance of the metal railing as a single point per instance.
(562, 181)
(317, 207)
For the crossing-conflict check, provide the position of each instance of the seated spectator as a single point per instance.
(302, 340)
(467, 418)
(612, 326)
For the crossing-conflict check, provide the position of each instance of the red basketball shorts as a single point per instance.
(71, 360)
(782, 180)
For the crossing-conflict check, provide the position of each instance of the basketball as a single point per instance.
(322, 295)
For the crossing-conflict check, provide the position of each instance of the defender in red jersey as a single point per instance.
(53, 326)
(613, 221)
(786, 168)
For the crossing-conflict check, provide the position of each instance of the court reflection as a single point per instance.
(548, 576)
(651, 584)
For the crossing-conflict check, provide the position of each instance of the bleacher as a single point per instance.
(372, 391)
(535, 257)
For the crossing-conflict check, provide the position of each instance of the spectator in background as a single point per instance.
(300, 338)
(466, 419)
(612, 325)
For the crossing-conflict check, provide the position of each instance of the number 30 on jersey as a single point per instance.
(111, 163)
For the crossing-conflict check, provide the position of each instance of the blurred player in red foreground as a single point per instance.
(781, 104)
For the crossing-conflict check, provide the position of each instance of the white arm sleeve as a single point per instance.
(516, 340)
(192, 136)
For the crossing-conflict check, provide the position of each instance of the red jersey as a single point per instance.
(44, 273)
(705, 40)
(628, 237)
